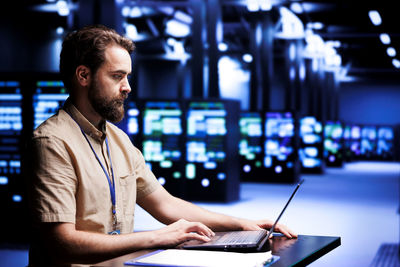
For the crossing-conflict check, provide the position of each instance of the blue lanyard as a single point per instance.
(111, 184)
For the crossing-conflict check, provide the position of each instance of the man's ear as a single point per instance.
(83, 75)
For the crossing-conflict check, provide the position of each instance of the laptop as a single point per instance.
(240, 241)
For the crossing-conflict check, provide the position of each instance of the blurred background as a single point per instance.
(232, 103)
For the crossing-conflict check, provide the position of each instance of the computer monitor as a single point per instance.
(280, 147)
(251, 146)
(212, 162)
(385, 143)
(163, 141)
(369, 140)
(355, 141)
(13, 197)
(311, 145)
(333, 143)
(48, 97)
(347, 141)
(10, 142)
(131, 123)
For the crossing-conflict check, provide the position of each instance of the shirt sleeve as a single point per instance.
(54, 182)
(146, 182)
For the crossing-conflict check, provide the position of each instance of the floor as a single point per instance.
(358, 202)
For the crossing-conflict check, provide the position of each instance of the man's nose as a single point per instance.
(126, 87)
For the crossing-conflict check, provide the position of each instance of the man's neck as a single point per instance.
(86, 109)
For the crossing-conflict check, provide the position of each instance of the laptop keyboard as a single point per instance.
(239, 237)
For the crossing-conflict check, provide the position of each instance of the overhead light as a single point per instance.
(315, 45)
(252, 5)
(135, 12)
(125, 11)
(391, 52)
(175, 50)
(60, 30)
(171, 41)
(177, 29)
(375, 17)
(257, 5)
(247, 58)
(62, 8)
(315, 25)
(167, 10)
(296, 7)
(183, 17)
(292, 51)
(385, 38)
(396, 63)
(291, 26)
(333, 43)
(265, 5)
(333, 60)
(179, 49)
(222, 47)
(131, 31)
(302, 71)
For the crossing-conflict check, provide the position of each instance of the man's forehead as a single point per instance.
(117, 59)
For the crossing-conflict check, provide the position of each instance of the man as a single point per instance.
(88, 176)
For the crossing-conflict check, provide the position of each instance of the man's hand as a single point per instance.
(181, 231)
(267, 224)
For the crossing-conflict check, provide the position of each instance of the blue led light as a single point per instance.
(161, 180)
(246, 168)
(16, 198)
(221, 176)
(205, 182)
(3, 180)
(278, 169)
(210, 165)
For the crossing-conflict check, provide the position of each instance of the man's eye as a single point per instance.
(117, 77)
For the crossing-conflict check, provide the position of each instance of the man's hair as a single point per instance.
(87, 47)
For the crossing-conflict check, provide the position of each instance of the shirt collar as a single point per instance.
(85, 125)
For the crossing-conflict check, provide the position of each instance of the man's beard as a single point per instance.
(111, 109)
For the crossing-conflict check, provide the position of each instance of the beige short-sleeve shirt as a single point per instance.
(69, 184)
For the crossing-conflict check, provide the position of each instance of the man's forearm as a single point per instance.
(173, 209)
(70, 245)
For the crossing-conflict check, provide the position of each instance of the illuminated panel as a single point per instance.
(206, 128)
(206, 146)
(333, 143)
(368, 142)
(48, 98)
(131, 123)
(10, 130)
(311, 152)
(385, 145)
(133, 119)
(162, 141)
(279, 146)
(250, 145)
(355, 141)
(347, 153)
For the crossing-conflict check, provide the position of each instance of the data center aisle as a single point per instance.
(358, 202)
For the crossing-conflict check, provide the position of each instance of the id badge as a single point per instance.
(115, 232)
(116, 226)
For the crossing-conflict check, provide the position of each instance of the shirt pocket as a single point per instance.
(128, 193)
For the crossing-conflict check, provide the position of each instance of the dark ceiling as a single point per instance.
(349, 23)
(344, 21)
